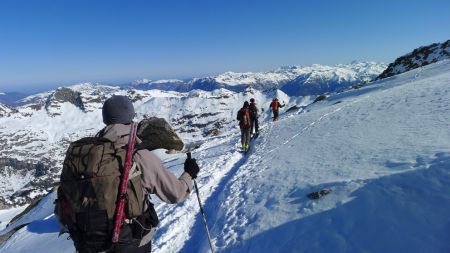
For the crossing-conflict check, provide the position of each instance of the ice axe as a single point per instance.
(189, 156)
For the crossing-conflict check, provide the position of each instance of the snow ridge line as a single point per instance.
(168, 237)
(198, 241)
(245, 167)
(269, 131)
(424, 68)
(317, 121)
(218, 162)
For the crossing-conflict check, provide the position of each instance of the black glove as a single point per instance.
(191, 167)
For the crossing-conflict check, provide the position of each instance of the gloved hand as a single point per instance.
(191, 167)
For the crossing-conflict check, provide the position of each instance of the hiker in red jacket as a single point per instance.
(275, 105)
(243, 117)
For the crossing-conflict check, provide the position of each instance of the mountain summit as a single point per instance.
(419, 57)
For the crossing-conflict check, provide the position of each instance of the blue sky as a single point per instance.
(50, 43)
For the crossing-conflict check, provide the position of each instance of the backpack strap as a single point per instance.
(134, 172)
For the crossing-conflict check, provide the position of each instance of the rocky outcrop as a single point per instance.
(23, 181)
(420, 57)
(62, 95)
(157, 133)
(4, 110)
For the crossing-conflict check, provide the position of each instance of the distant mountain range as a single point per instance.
(9, 98)
(293, 80)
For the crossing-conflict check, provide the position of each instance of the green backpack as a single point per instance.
(88, 191)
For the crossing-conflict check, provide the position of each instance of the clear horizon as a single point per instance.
(47, 44)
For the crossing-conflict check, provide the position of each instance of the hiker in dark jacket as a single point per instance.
(118, 113)
(274, 106)
(254, 115)
(243, 117)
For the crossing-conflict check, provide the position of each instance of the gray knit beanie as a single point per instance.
(118, 110)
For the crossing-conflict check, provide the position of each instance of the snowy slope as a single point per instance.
(384, 150)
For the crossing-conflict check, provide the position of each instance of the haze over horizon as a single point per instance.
(48, 44)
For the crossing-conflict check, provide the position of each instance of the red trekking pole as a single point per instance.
(124, 184)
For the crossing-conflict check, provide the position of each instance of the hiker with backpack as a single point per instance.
(243, 117)
(254, 118)
(93, 171)
(275, 105)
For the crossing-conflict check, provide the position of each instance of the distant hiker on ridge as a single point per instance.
(254, 117)
(275, 105)
(92, 175)
(244, 123)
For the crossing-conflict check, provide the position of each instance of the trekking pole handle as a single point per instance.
(189, 155)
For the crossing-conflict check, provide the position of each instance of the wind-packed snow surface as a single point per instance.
(384, 150)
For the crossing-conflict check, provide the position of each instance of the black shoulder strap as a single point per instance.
(142, 146)
(92, 140)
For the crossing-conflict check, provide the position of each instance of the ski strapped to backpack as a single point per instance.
(122, 196)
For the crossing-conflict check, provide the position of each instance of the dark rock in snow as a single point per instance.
(319, 194)
(62, 95)
(320, 98)
(157, 133)
(293, 108)
(38, 175)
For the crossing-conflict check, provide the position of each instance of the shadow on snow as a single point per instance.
(405, 212)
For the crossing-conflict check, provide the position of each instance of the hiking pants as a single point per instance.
(255, 125)
(275, 115)
(245, 136)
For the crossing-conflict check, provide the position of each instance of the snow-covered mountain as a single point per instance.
(419, 57)
(38, 132)
(383, 150)
(293, 80)
(169, 85)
